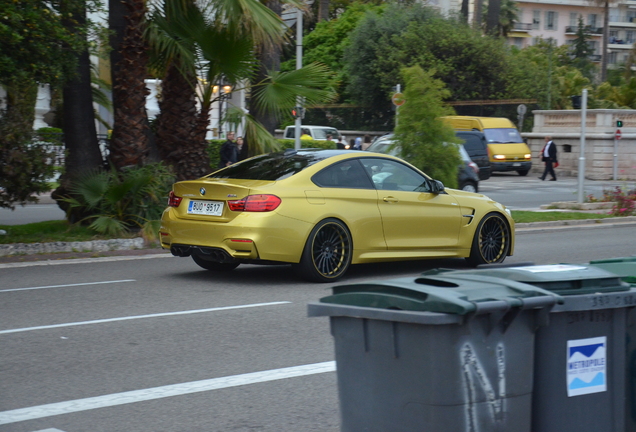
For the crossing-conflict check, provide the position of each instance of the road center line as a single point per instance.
(68, 285)
(41, 411)
(107, 320)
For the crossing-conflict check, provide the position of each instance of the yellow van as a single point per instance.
(507, 150)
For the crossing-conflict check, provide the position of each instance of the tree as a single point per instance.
(471, 66)
(425, 140)
(130, 142)
(36, 47)
(581, 50)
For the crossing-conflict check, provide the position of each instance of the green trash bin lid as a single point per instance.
(443, 293)
(562, 279)
(624, 267)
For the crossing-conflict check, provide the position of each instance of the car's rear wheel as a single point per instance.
(492, 240)
(327, 253)
(214, 265)
(523, 172)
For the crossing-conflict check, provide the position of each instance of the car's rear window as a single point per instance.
(272, 166)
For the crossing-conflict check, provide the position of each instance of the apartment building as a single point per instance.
(558, 20)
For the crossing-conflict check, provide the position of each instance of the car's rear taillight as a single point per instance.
(255, 203)
(173, 200)
(474, 166)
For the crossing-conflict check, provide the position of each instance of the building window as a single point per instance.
(536, 20)
(592, 46)
(591, 20)
(611, 59)
(629, 36)
(518, 42)
(574, 20)
(631, 16)
(551, 20)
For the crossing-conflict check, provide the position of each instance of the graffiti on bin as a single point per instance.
(475, 377)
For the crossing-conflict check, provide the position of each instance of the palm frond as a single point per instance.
(280, 91)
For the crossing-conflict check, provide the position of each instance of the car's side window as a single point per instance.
(346, 174)
(392, 175)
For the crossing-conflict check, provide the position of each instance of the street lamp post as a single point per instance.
(225, 92)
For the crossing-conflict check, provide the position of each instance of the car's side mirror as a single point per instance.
(437, 187)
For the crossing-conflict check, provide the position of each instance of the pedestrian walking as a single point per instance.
(549, 158)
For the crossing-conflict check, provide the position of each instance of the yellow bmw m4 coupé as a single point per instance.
(323, 210)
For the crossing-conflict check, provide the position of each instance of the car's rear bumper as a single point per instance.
(268, 237)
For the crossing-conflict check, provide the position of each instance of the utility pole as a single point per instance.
(299, 65)
(582, 155)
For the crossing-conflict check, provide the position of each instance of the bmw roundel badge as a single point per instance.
(202, 190)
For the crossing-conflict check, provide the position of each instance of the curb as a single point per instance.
(575, 223)
(85, 246)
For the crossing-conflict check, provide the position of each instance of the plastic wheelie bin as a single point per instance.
(579, 374)
(435, 353)
(626, 268)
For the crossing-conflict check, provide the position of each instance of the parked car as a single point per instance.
(467, 172)
(476, 146)
(318, 133)
(323, 210)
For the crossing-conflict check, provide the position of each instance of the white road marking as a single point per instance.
(188, 312)
(72, 406)
(68, 285)
(50, 430)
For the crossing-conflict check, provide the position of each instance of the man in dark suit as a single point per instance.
(228, 154)
(549, 157)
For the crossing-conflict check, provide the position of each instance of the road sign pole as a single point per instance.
(397, 107)
(615, 157)
(582, 155)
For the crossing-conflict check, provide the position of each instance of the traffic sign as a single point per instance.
(398, 99)
(618, 134)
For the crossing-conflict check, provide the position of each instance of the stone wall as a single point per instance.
(565, 129)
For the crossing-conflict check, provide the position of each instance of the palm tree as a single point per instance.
(131, 138)
(213, 43)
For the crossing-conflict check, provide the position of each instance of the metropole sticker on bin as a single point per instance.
(587, 366)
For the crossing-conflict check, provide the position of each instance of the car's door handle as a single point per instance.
(390, 199)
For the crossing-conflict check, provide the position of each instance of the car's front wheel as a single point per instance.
(214, 265)
(327, 253)
(492, 240)
(469, 186)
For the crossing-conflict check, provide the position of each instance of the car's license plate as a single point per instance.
(210, 208)
(516, 164)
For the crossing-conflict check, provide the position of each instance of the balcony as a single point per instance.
(595, 31)
(522, 27)
(622, 21)
(596, 58)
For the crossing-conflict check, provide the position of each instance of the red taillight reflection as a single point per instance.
(255, 203)
(474, 166)
(173, 200)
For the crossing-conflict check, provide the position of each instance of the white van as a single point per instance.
(319, 133)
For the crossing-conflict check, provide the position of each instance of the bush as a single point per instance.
(118, 202)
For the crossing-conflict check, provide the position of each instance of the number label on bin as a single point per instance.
(586, 368)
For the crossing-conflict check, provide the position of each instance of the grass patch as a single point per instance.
(51, 231)
(521, 216)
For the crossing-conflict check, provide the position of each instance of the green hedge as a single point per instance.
(215, 145)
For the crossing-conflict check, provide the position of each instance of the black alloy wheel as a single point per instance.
(327, 253)
(491, 243)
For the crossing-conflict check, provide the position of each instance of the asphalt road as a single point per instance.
(154, 344)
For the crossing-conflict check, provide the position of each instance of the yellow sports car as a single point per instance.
(323, 210)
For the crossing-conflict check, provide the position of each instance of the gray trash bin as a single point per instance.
(579, 375)
(626, 268)
(435, 353)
